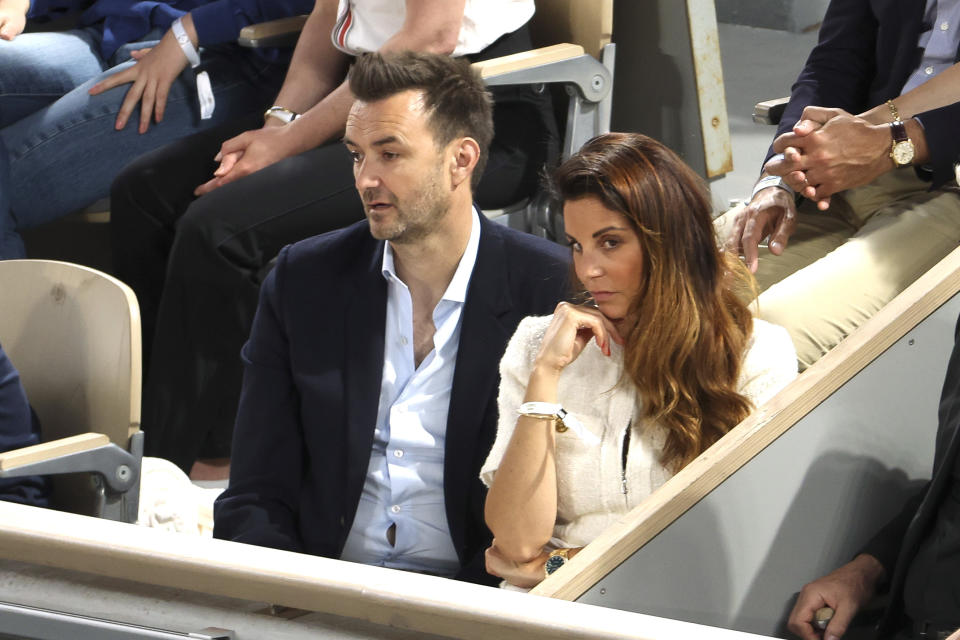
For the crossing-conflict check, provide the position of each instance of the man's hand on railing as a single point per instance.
(845, 590)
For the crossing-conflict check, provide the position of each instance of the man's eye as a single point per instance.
(390, 155)
(355, 157)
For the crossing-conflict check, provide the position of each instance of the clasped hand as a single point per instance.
(246, 153)
(569, 332)
(829, 150)
(152, 76)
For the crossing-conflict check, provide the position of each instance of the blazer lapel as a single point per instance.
(484, 332)
(366, 302)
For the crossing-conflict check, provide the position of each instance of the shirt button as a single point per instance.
(395, 508)
(928, 71)
(403, 340)
(944, 25)
(398, 453)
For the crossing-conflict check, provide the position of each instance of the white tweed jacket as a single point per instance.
(589, 487)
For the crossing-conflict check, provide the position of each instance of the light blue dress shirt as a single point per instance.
(404, 484)
(939, 41)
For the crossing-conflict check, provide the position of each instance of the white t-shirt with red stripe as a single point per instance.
(365, 25)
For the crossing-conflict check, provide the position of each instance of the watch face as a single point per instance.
(902, 153)
(554, 563)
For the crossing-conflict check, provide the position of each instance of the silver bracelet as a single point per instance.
(771, 181)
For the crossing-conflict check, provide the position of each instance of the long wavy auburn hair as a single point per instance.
(686, 331)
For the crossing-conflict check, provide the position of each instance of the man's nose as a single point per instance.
(365, 177)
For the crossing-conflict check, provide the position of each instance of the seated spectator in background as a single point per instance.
(196, 266)
(63, 94)
(915, 558)
(369, 392)
(880, 203)
(617, 395)
(18, 428)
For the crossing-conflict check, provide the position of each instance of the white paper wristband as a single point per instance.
(204, 90)
(184, 41)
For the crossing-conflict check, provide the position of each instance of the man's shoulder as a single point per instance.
(335, 250)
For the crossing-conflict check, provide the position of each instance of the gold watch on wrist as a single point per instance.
(556, 559)
(901, 148)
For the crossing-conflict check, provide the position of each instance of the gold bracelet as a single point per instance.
(894, 111)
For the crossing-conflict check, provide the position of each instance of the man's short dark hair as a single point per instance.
(456, 100)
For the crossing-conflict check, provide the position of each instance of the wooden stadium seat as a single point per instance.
(74, 335)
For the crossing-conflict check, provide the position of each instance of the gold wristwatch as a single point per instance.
(556, 559)
(901, 148)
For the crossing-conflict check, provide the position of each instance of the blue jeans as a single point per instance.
(59, 151)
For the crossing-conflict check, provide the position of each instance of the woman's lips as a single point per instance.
(602, 296)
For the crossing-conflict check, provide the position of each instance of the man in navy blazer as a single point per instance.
(881, 179)
(317, 464)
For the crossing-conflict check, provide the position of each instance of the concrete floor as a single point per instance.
(758, 64)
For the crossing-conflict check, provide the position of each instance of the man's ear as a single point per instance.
(464, 157)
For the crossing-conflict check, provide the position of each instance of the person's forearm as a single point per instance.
(521, 507)
(315, 85)
(939, 91)
(317, 67)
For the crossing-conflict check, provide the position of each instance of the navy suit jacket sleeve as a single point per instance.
(260, 506)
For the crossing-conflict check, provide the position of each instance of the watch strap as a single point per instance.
(898, 131)
(282, 114)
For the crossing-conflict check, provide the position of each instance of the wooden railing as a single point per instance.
(389, 602)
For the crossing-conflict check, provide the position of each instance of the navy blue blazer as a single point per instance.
(866, 51)
(311, 387)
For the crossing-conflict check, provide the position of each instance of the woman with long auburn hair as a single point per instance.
(601, 403)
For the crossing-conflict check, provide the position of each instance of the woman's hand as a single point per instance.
(152, 75)
(13, 18)
(568, 333)
(248, 152)
(520, 574)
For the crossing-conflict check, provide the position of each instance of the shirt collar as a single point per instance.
(457, 289)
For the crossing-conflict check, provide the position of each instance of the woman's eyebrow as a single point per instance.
(605, 229)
